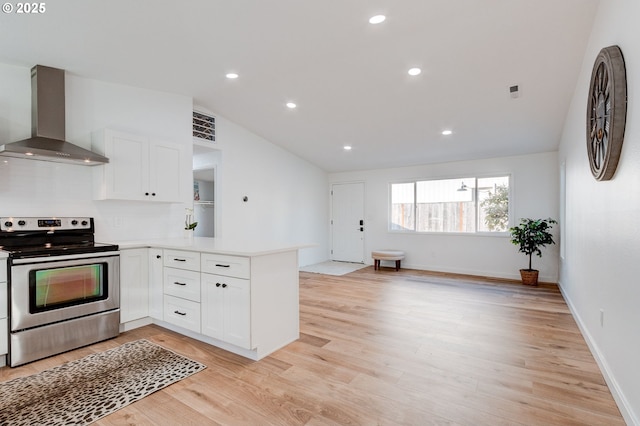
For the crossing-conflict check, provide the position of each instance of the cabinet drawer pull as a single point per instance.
(180, 313)
(222, 266)
(179, 260)
(179, 283)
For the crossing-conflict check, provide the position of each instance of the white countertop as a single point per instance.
(214, 245)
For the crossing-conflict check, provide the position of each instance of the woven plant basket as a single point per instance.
(529, 276)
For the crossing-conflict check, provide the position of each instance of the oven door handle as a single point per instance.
(43, 259)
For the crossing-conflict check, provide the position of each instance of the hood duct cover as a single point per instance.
(48, 124)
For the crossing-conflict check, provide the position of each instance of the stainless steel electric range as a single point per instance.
(64, 288)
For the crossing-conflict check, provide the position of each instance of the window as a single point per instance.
(451, 205)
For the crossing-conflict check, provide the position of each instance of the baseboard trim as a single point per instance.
(462, 271)
(622, 402)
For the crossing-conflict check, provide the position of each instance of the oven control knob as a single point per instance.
(74, 222)
(85, 223)
(8, 224)
(22, 223)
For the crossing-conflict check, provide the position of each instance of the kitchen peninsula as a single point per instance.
(241, 297)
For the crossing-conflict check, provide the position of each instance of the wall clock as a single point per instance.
(606, 112)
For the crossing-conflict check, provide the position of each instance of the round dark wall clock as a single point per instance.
(606, 112)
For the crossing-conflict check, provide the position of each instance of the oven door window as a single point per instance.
(55, 288)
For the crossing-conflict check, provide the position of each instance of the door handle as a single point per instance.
(361, 229)
(361, 222)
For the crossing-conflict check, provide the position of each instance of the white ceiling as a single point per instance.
(348, 77)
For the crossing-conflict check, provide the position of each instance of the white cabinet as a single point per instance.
(230, 266)
(246, 304)
(181, 289)
(182, 283)
(226, 313)
(134, 284)
(156, 277)
(181, 312)
(139, 168)
(4, 324)
(181, 259)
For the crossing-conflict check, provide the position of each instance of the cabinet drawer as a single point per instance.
(183, 313)
(230, 266)
(181, 283)
(182, 259)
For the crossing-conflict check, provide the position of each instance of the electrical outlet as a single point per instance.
(601, 317)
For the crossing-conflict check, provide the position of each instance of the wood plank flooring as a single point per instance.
(390, 348)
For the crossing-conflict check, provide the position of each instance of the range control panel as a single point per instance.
(10, 224)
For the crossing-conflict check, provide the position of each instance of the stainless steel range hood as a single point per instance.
(48, 124)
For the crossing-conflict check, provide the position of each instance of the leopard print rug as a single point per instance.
(85, 390)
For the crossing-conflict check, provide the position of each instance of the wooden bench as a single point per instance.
(379, 255)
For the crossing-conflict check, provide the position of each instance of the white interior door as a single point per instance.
(347, 220)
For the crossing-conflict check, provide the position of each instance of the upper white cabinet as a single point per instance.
(139, 168)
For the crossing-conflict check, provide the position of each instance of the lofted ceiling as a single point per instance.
(348, 77)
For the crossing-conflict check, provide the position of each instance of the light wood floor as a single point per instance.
(390, 348)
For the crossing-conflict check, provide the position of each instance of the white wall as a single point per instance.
(38, 188)
(600, 268)
(287, 196)
(534, 193)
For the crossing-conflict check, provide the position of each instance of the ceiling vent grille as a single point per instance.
(204, 126)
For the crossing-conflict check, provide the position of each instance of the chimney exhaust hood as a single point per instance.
(48, 124)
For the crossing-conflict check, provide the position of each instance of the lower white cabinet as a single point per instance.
(181, 312)
(134, 284)
(182, 283)
(156, 278)
(226, 309)
(4, 323)
(247, 304)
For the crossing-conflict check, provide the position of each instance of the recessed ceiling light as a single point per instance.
(232, 75)
(415, 71)
(446, 132)
(347, 147)
(291, 105)
(377, 19)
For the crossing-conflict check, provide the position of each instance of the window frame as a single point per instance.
(475, 178)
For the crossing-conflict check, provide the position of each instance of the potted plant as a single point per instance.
(532, 235)
(189, 224)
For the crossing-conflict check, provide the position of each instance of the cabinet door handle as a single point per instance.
(153, 193)
(180, 313)
(179, 260)
(146, 193)
(158, 256)
(224, 286)
(178, 283)
(222, 266)
(218, 284)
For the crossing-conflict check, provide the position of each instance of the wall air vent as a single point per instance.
(204, 126)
